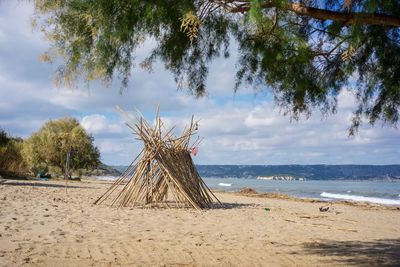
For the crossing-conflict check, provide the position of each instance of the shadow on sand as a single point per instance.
(228, 206)
(39, 184)
(381, 252)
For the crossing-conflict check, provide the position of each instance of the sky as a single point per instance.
(238, 128)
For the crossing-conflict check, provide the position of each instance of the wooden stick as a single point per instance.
(164, 165)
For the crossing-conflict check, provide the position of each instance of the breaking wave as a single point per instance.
(376, 200)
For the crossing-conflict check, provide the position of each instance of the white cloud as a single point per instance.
(111, 147)
(347, 100)
(16, 19)
(3, 37)
(237, 129)
(98, 123)
(258, 118)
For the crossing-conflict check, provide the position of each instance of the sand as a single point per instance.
(42, 225)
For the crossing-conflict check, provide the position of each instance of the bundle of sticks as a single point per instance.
(163, 174)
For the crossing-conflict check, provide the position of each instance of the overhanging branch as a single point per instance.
(319, 14)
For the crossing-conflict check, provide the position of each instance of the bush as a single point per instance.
(11, 160)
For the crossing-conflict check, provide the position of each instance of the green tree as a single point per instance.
(11, 161)
(304, 51)
(47, 149)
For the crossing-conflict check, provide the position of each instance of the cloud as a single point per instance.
(98, 123)
(109, 146)
(258, 118)
(241, 128)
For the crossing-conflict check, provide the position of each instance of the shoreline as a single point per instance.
(282, 196)
(333, 197)
(245, 191)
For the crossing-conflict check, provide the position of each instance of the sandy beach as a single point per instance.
(42, 224)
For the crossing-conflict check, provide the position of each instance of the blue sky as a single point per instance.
(241, 128)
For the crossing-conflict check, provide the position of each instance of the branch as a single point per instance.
(323, 14)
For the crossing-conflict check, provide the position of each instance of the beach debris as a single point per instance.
(163, 174)
(247, 191)
(347, 230)
(323, 209)
(194, 151)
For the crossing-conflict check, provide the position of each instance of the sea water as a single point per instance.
(381, 192)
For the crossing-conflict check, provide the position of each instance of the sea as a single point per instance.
(330, 183)
(380, 192)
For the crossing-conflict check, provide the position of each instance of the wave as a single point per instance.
(361, 198)
(224, 184)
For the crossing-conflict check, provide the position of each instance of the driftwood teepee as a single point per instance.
(163, 174)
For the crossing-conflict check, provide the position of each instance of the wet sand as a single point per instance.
(42, 224)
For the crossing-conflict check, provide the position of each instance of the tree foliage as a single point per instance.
(11, 161)
(46, 150)
(305, 51)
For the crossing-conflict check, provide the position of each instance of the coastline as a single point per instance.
(44, 224)
(248, 192)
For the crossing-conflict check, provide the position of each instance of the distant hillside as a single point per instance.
(104, 170)
(310, 172)
(121, 169)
